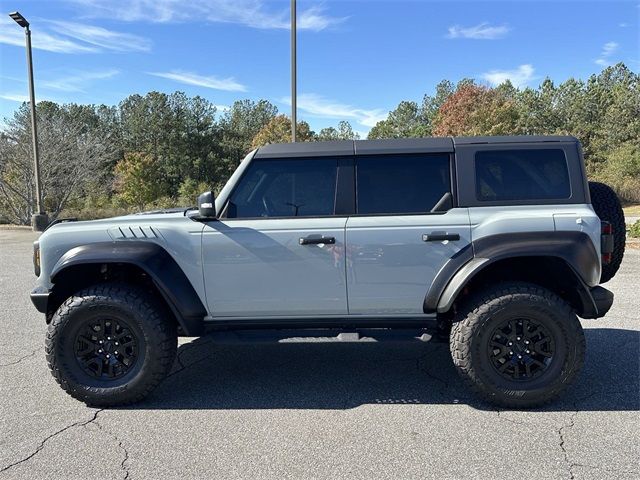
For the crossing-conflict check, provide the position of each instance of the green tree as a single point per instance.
(343, 132)
(138, 181)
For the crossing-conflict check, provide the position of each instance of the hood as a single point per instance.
(149, 215)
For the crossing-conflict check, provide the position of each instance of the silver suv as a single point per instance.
(499, 242)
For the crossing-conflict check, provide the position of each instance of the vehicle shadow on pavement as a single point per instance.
(240, 374)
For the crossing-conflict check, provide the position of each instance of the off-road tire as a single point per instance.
(480, 316)
(607, 206)
(147, 318)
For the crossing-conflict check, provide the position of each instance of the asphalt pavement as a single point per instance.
(238, 407)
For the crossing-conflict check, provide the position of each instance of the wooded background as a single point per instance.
(161, 150)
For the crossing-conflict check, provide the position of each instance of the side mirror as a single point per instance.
(207, 205)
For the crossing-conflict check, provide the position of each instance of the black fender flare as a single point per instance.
(576, 249)
(155, 261)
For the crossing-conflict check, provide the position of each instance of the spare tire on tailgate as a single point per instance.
(607, 206)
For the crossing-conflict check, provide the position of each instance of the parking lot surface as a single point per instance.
(235, 407)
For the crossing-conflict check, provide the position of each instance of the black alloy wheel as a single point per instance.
(106, 348)
(521, 349)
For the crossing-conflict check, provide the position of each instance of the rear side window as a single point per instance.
(521, 175)
(285, 188)
(388, 184)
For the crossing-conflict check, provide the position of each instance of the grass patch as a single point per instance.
(631, 210)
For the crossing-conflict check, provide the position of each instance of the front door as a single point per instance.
(406, 229)
(278, 249)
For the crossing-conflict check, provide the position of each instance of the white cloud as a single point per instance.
(211, 81)
(101, 37)
(482, 31)
(608, 49)
(76, 82)
(12, 34)
(623, 24)
(14, 97)
(318, 106)
(67, 37)
(251, 13)
(519, 77)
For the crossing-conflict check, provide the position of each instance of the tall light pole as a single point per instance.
(39, 220)
(294, 94)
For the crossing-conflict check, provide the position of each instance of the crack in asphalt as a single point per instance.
(121, 446)
(21, 358)
(53, 435)
(511, 420)
(570, 465)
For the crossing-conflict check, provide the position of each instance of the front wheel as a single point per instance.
(110, 344)
(518, 345)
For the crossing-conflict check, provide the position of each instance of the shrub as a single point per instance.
(634, 230)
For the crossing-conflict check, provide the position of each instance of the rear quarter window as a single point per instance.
(535, 174)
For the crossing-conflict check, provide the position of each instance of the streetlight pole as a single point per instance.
(39, 220)
(294, 99)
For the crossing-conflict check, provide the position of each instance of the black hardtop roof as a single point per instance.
(394, 145)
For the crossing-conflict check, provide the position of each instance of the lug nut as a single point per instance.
(510, 343)
(108, 356)
(109, 338)
(100, 342)
(519, 356)
(526, 342)
(116, 352)
(510, 353)
(518, 338)
(526, 351)
(99, 350)
(117, 343)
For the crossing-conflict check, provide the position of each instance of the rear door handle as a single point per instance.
(440, 237)
(315, 240)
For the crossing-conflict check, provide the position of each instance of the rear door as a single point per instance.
(396, 244)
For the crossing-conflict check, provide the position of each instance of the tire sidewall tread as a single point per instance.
(146, 316)
(474, 322)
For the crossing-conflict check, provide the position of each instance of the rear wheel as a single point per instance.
(518, 345)
(110, 344)
(607, 206)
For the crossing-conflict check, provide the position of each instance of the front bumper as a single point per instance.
(40, 298)
(598, 303)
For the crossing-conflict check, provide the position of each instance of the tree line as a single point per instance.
(161, 150)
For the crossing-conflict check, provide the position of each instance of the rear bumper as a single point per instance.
(40, 298)
(600, 302)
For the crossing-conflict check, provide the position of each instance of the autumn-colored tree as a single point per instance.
(278, 130)
(137, 180)
(477, 110)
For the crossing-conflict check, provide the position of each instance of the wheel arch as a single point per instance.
(552, 272)
(135, 262)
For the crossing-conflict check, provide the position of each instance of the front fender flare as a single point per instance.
(155, 261)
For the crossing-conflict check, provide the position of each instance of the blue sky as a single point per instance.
(357, 59)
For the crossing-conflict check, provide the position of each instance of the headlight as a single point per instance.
(36, 258)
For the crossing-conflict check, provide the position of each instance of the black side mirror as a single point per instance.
(207, 205)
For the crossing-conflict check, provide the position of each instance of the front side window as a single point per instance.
(521, 175)
(401, 184)
(285, 188)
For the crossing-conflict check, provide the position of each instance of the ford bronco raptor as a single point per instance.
(500, 241)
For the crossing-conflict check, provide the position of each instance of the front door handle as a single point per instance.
(315, 240)
(440, 237)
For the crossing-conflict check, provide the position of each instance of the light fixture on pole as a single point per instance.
(294, 99)
(39, 220)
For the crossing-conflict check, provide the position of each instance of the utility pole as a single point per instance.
(39, 220)
(294, 94)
